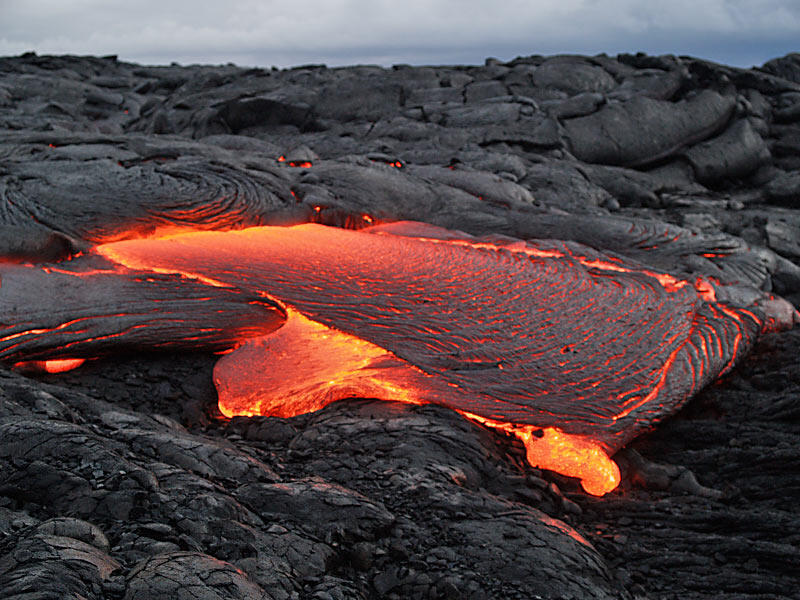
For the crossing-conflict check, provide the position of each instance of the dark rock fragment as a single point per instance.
(629, 187)
(248, 112)
(483, 90)
(561, 185)
(75, 529)
(577, 106)
(330, 511)
(368, 99)
(487, 187)
(190, 576)
(300, 156)
(521, 556)
(735, 153)
(642, 130)
(784, 189)
(88, 329)
(786, 67)
(104, 98)
(790, 114)
(535, 133)
(652, 83)
(69, 196)
(431, 96)
(784, 237)
(572, 75)
(54, 566)
(481, 114)
(787, 141)
(35, 245)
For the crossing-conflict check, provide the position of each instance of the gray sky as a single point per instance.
(340, 32)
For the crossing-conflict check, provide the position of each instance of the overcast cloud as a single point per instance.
(339, 32)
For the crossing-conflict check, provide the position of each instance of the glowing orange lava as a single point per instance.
(59, 365)
(62, 365)
(572, 455)
(573, 351)
(311, 365)
(304, 366)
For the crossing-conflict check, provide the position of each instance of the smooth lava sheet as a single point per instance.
(573, 350)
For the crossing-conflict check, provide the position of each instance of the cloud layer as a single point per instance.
(336, 32)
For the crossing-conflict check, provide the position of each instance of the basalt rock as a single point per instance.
(787, 67)
(573, 75)
(642, 131)
(734, 154)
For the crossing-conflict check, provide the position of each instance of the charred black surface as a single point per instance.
(118, 481)
(50, 311)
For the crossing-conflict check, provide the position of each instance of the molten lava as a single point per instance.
(572, 350)
(304, 366)
(61, 365)
(571, 455)
(311, 365)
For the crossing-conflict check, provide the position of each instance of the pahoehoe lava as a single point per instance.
(528, 336)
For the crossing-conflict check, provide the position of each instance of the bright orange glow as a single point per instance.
(301, 164)
(705, 289)
(310, 366)
(668, 282)
(61, 365)
(573, 351)
(572, 455)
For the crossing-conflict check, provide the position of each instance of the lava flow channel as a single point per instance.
(574, 351)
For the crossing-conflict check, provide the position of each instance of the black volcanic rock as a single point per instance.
(573, 75)
(642, 131)
(121, 480)
(784, 188)
(736, 153)
(787, 67)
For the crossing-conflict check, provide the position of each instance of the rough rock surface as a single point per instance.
(119, 480)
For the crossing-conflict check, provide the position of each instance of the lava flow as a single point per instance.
(572, 350)
(311, 365)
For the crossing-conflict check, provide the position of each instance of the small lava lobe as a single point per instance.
(572, 350)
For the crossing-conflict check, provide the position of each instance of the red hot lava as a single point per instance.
(574, 351)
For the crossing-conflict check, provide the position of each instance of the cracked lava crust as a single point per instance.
(573, 350)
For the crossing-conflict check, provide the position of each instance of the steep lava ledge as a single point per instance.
(574, 351)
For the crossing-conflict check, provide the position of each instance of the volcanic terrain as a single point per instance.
(649, 207)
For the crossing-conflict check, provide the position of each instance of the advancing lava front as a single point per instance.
(573, 350)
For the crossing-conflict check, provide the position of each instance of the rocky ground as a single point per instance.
(120, 479)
